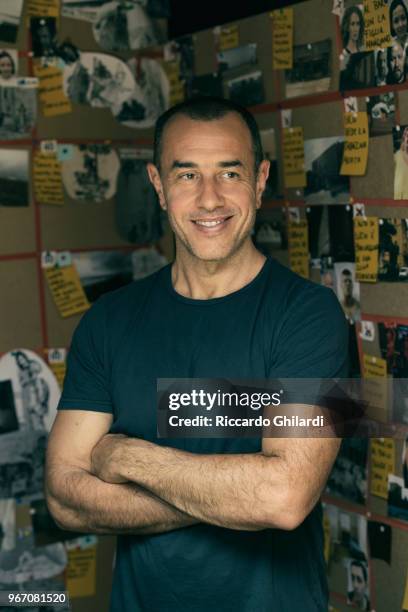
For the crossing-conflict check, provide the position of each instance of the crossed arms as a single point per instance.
(109, 483)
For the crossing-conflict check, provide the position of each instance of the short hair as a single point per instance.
(362, 566)
(345, 22)
(6, 54)
(380, 52)
(207, 108)
(395, 4)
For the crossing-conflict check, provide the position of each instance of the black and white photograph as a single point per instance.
(236, 57)
(22, 458)
(393, 250)
(139, 218)
(10, 13)
(91, 172)
(397, 498)
(268, 139)
(400, 140)
(28, 565)
(7, 524)
(18, 108)
(247, 90)
(352, 29)
(357, 70)
(330, 229)
(8, 65)
(149, 97)
(358, 584)
(207, 85)
(325, 184)
(97, 79)
(311, 72)
(381, 113)
(8, 415)
(348, 534)
(14, 171)
(181, 50)
(270, 231)
(347, 290)
(348, 478)
(43, 36)
(102, 271)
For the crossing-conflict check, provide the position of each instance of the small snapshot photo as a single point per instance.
(358, 584)
(268, 140)
(348, 290)
(270, 233)
(348, 478)
(325, 185)
(381, 113)
(102, 271)
(236, 57)
(348, 534)
(14, 171)
(28, 565)
(10, 13)
(43, 36)
(393, 250)
(7, 524)
(247, 90)
(8, 65)
(311, 72)
(18, 108)
(397, 498)
(357, 70)
(352, 29)
(400, 139)
(91, 172)
(8, 415)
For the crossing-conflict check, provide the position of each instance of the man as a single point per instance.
(358, 594)
(230, 524)
(350, 305)
(396, 64)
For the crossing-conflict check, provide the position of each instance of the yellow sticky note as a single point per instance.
(47, 178)
(366, 239)
(293, 157)
(382, 464)
(298, 242)
(405, 600)
(66, 290)
(81, 572)
(355, 155)
(228, 38)
(375, 388)
(50, 90)
(377, 34)
(326, 533)
(282, 39)
(177, 86)
(43, 8)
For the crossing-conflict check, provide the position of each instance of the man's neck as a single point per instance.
(203, 280)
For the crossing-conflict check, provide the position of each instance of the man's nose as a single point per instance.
(209, 196)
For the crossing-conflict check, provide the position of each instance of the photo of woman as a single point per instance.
(399, 21)
(8, 64)
(352, 29)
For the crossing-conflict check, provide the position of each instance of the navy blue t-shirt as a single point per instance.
(279, 325)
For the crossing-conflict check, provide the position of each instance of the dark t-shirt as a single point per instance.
(279, 325)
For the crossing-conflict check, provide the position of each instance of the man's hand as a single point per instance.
(107, 457)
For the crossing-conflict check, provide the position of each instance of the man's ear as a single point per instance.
(154, 177)
(261, 178)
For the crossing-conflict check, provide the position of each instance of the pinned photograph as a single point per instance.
(311, 69)
(330, 230)
(381, 67)
(396, 69)
(24, 565)
(10, 14)
(8, 415)
(7, 524)
(348, 478)
(358, 584)
(14, 170)
(236, 57)
(348, 290)
(22, 459)
(18, 108)
(393, 250)
(352, 29)
(323, 159)
(400, 139)
(137, 211)
(207, 85)
(90, 173)
(270, 232)
(102, 271)
(381, 114)
(8, 65)
(348, 534)
(247, 90)
(357, 70)
(268, 140)
(44, 36)
(399, 21)
(181, 50)
(149, 97)
(397, 498)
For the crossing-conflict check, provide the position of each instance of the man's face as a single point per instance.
(208, 185)
(397, 62)
(382, 64)
(347, 286)
(6, 67)
(357, 581)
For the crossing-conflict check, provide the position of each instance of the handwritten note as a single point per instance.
(382, 464)
(81, 572)
(355, 155)
(293, 157)
(366, 239)
(404, 605)
(377, 34)
(227, 37)
(298, 241)
(43, 8)
(177, 86)
(47, 178)
(66, 290)
(282, 39)
(375, 389)
(50, 90)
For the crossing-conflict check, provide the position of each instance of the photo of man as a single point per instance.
(358, 581)
(400, 137)
(395, 64)
(348, 290)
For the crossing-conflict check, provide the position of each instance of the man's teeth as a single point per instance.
(209, 223)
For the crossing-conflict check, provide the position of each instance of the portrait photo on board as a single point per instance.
(311, 72)
(348, 290)
(10, 14)
(236, 57)
(247, 90)
(381, 113)
(358, 584)
(348, 478)
(14, 173)
(393, 250)
(8, 65)
(400, 140)
(18, 108)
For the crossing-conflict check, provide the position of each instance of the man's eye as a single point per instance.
(231, 174)
(188, 176)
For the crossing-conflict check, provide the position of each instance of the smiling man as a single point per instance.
(230, 524)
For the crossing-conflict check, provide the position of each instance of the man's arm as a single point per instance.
(80, 501)
(274, 489)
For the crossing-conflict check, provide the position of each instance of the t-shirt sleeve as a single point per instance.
(313, 339)
(86, 384)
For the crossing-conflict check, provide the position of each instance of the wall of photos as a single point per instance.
(80, 89)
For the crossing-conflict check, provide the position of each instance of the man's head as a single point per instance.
(347, 283)
(381, 64)
(395, 56)
(358, 575)
(209, 173)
